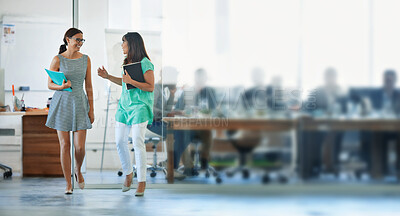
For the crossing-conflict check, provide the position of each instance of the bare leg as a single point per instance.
(141, 187)
(79, 144)
(128, 180)
(65, 156)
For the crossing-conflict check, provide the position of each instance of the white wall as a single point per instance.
(386, 34)
(93, 25)
(93, 15)
(120, 14)
(61, 9)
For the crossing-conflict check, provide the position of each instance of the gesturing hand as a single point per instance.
(102, 72)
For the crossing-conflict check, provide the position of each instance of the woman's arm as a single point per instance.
(89, 90)
(55, 66)
(102, 72)
(147, 85)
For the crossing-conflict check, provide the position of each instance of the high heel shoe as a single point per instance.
(69, 192)
(81, 184)
(139, 187)
(127, 188)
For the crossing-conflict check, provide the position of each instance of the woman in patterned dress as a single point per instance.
(71, 110)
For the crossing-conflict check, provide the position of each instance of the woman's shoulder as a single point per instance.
(80, 55)
(83, 55)
(56, 60)
(146, 60)
(86, 57)
(147, 64)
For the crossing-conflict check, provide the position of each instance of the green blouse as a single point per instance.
(136, 106)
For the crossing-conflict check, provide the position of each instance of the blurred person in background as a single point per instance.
(261, 100)
(199, 98)
(254, 103)
(164, 98)
(255, 97)
(260, 97)
(328, 99)
(324, 147)
(385, 100)
(276, 95)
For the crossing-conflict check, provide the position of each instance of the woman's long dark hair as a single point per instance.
(136, 51)
(69, 33)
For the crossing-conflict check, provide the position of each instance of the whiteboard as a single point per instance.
(37, 41)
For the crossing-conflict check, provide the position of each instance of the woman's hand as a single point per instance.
(126, 78)
(66, 85)
(91, 116)
(102, 72)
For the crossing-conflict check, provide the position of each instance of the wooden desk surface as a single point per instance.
(350, 124)
(37, 113)
(12, 113)
(41, 112)
(181, 123)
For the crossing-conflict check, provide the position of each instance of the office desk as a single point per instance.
(33, 149)
(331, 124)
(181, 123)
(11, 140)
(41, 149)
(298, 126)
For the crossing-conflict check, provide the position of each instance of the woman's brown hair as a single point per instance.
(69, 33)
(137, 50)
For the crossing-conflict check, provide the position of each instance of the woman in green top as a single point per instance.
(135, 109)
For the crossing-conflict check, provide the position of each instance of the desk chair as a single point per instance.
(153, 139)
(244, 148)
(7, 171)
(245, 142)
(197, 164)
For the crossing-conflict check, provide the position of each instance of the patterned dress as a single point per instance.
(69, 110)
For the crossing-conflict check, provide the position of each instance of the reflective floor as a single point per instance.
(196, 196)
